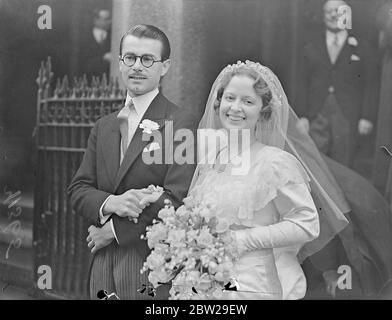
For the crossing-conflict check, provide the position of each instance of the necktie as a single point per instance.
(334, 49)
(123, 117)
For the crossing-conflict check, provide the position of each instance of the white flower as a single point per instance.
(205, 238)
(219, 276)
(157, 233)
(148, 126)
(182, 212)
(166, 213)
(189, 202)
(223, 225)
(193, 278)
(212, 267)
(205, 282)
(153, 188)
(175, 237)
(155, 260)
(190, 264)
(206, 214)
(194, 241)
(352, 41)
(158, 276)
(191, 235)
(179, 280)
(218, 293)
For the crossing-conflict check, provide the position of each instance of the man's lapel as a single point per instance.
(156, 112)
(111, 147)
(322, 51)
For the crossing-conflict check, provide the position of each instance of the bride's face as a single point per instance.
(240, 105)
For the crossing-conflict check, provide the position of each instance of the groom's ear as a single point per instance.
(165, 67)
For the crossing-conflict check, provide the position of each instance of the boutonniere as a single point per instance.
(148, 126)
(352, 41)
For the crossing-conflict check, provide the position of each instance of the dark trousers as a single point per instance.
(333, 133)
(117, 269)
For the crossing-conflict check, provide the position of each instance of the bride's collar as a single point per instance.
(233, 158)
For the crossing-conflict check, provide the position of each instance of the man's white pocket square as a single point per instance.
(354, 57)
(151, 147)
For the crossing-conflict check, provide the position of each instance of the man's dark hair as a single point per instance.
(150, 32)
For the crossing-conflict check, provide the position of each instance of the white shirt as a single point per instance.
(341, 39)
(99, 34)
(141, 104)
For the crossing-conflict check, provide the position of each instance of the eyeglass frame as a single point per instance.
(141, 61)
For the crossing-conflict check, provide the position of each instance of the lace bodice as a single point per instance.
(240, 199)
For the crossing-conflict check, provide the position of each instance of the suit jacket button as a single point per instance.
(331, 89)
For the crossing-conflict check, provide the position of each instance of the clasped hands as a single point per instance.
(132, 202)
(129, 204)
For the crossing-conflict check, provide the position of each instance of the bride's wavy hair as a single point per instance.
(260, 87)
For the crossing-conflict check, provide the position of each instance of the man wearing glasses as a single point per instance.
(111, 181)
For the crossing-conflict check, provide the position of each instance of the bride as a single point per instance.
(269, 207)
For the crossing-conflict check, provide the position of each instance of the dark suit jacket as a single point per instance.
(353, 82)
(100, 173)
(91, 56)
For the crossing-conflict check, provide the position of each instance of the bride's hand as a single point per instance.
(147, 196)
(236, 237)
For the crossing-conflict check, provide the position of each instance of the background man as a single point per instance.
(96, 55)
(337, 98)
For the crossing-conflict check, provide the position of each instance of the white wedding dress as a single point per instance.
(272, 214)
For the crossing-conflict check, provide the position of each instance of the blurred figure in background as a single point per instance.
(96, 55)
(365, 244)
(337, 102)
(337, 98)
(382, 170)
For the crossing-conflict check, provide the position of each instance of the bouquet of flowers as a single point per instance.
(192, 250)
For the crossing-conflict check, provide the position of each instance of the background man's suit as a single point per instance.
(92, 62)
(335, 96)
(100, 174)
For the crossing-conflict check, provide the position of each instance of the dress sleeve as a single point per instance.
(298, 221)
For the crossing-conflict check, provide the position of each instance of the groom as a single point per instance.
(106, 188)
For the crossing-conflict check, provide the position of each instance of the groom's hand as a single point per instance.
(126, 204)
(99, 238)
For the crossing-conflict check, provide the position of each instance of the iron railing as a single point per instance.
(65, 116)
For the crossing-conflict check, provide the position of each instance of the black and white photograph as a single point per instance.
(209, 150)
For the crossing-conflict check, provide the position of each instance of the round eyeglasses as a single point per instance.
(146, 60)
